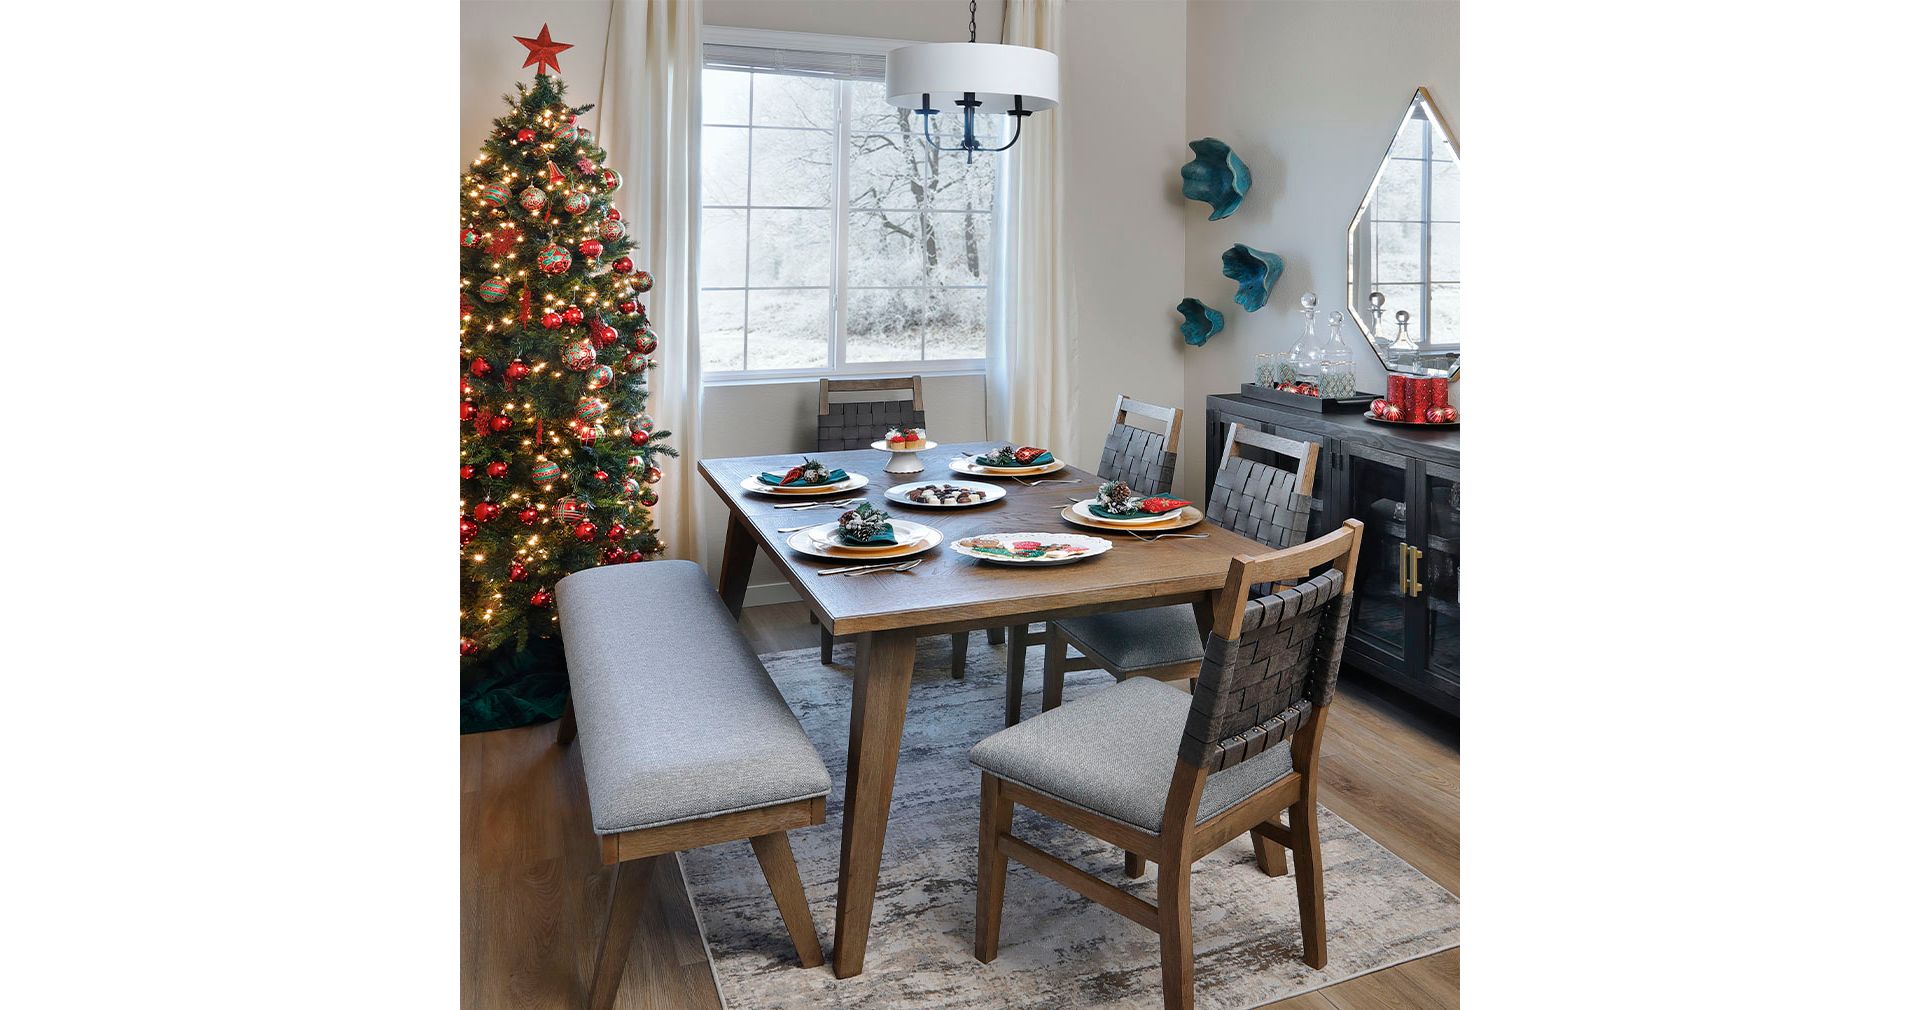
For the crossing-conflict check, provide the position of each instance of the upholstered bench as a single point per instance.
(684, 739)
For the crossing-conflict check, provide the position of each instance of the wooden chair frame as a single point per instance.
(1022, 636)
(632, 855)
(1056, 666)
(1182, 840)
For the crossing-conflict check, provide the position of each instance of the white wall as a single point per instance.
(1309, 93)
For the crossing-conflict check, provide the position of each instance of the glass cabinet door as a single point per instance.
(1437, 576)
(1377, 494)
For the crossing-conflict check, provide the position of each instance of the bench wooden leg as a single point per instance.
(958, 664)
(881, 677)
(616, 933)
(990, 884)
(736, 564)
(1016, 670)
(996, 636)
(826, 646)
(1054, 673)
(1136, 866)
(783, 878)
(568, 727)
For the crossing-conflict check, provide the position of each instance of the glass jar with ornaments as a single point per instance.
(1302, 362)
(1265, 373)
(1336, 366)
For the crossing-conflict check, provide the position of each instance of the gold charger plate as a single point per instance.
(1188, 516)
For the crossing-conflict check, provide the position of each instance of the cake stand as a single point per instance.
(905, 460)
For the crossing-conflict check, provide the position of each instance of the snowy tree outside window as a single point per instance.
(833, 237)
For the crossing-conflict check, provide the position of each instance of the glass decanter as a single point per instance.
(1403, 355)
(1336, 366)
(1377, 306)
(1302, 363)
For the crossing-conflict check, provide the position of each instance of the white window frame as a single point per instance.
(837, 288)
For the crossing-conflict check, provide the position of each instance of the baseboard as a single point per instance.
(772, 592)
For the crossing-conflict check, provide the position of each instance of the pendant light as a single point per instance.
(976, 78)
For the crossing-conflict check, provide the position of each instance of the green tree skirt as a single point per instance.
(513, 687)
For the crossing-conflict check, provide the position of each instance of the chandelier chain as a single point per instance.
(973, 30)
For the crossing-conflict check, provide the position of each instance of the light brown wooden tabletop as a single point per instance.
(886, 613)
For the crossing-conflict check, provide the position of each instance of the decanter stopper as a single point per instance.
(1309, 301)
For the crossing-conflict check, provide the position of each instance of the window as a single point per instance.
(832, 238)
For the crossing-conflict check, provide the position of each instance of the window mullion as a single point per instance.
(842, 122)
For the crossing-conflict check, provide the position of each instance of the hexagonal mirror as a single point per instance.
(1403, 248)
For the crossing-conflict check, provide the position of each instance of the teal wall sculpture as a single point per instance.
(1216, 176)
(1256, 272)
(1201, 321)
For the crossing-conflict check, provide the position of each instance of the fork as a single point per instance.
(870, 569)
(843, 503)
(1037, 483)
(1165, 536)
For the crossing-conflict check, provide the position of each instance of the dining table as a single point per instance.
(885, 614)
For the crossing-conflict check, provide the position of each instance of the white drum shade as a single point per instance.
(994, 73)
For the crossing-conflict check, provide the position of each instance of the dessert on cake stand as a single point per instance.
(906, 446)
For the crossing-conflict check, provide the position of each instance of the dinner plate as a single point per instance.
(1085, 510)
(898, 493)
(965, 464)
(853, 482)
(914, 538)
(1079, 515)
(1094, 547)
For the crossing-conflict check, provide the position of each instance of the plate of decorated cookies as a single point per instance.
(950, 494)
(809, 476)
(1008, 461)
(865, 532)
(1031, 549)
(1115, 506)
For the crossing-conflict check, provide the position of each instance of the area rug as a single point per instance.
(1057, 949)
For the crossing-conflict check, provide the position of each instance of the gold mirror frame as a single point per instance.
(1422, 101)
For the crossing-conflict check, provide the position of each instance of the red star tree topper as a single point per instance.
(543, 51)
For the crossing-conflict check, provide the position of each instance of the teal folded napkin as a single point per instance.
(1041, 460)
(774, 479)
(1106, 513)
(885, 536)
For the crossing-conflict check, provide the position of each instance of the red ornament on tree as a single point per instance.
(654, 475)
(552, 320)
(616, 531)
(585, 531)
(467, 529)
(629, 307)
(468, 647)
(466, 471)
(591, 248)
(500, 422)
(623, 265)
(485, 511)
(613, 213)
(517, 369)
(648, 498)
(496, 469)
(599, 475)
(541, 597)
(516, 572)
(612, 556)
(529, 515)
(574, 315)
(479, 368)
(638, 438)
(525, 136)
(467, 410)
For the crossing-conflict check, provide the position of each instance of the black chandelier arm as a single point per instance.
(926, 130)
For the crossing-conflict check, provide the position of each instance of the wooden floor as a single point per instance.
(532, 889)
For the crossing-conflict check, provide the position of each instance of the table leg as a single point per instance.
(736, 564)
(881, 675)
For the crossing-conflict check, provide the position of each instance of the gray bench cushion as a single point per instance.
(1129, 640)
(678, 719)
(1113, 751)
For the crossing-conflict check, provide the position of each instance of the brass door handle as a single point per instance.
(1413, 576)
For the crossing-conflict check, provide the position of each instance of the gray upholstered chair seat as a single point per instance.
(1131, 640)
(1113, 751)
(678, 719)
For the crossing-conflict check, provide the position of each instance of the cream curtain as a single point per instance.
(1030, 384)
(649, 109)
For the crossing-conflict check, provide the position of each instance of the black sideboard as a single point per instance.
(1404, 484)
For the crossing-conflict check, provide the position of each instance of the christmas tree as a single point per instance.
(558, 457)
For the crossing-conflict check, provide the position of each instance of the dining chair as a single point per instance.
(1260, 501)
(1144, 458)
(857, 423)
(1171, 777)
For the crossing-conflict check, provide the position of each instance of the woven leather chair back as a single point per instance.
(1255, 692)
(1260, 502)
(858, 425)
(1140, 458)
